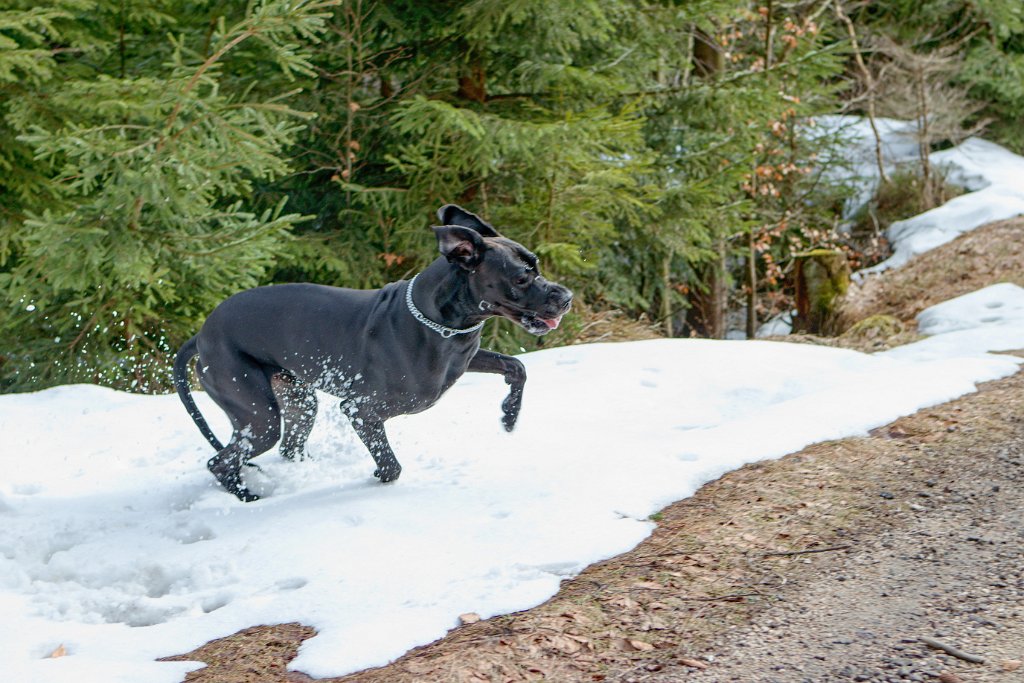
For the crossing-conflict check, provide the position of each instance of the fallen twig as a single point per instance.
(949, 649)
(730, 596)
(694, 598)
(806, 552)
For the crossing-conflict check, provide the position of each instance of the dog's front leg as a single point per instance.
(376, 441)
(515, 376)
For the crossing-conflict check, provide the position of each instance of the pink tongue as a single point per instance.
(552, 323)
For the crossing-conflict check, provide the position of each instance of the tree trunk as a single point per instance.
(822, 278)
(924, 137)
(473, 85)
(719, 291)
(666, 295)
(752, 287)
(869, 84)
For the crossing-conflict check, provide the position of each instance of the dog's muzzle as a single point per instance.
(550, 316)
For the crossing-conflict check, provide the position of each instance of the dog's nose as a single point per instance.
(561, 297)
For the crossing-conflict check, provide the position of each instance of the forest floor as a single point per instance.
(830, 564)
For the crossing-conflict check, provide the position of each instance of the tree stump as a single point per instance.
(822, 277)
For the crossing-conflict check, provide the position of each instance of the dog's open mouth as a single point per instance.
(537, 325)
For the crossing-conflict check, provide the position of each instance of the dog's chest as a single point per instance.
(423, 384)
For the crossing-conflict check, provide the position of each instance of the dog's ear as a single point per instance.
(453, 214)
(460, 245)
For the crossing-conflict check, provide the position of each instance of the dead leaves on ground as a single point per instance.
(693, 663)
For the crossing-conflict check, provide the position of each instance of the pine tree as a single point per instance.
(512, 110)
(159, 155)
(144, 218)
(592, 131)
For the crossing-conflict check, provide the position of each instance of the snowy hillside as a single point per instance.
(992, 175)
(117, 544)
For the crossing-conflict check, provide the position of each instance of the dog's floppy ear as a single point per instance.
(460, 245)
(453, 214)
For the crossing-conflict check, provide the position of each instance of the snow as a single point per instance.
(977, 164)
(985, 309)
(779, 325)
(986, 320)
(945, 223)
(851, 158)
(116, 543)
(993, 176)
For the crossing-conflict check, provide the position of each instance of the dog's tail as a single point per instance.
(185, 355)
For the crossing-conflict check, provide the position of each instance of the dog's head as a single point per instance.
(503, 275)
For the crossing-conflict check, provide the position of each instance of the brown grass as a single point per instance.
(979, 258)
(613, 326)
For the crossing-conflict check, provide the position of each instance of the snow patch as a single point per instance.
(996, 177)
(990, 319)
(779, 325)
(993, 175)
(852, 158)
(997, 305)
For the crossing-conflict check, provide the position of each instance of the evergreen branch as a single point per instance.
(210, 61)
(129, 151)
(253, 30)
(268, 106)
(89, 326)
(114, 126)
(278, 224)
(648, 92)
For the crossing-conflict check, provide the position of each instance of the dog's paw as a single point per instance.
(388, 473)
(510, 409)
(509, 421)
(245, 495)
(299, 454)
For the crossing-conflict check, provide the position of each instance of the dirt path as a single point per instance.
(948, 564)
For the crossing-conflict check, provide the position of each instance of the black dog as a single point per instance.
(384, 352)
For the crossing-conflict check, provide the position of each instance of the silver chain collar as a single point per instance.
(445, 332)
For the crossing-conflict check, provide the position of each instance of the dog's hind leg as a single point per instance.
(298, 412)
(376, 441)
(226, 466)
(255, 420)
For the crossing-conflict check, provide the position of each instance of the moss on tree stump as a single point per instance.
(822, 278)
(877, 333)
